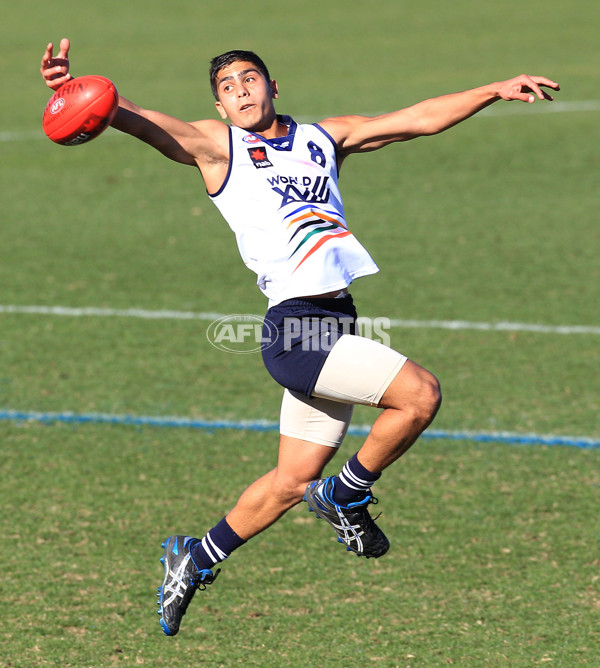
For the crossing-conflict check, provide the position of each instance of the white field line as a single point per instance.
(539, 107)
(496, 110)
(29, 135)
(210, 316)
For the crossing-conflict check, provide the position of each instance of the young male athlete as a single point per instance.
(276, 184)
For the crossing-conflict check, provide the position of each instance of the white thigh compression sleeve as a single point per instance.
(358, 371)
(316, 420)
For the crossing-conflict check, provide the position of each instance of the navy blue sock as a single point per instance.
(352, 482)
(216, 546)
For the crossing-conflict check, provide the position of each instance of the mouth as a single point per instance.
(246, 107)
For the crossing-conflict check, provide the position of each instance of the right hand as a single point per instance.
(55, 71)
(525, 88)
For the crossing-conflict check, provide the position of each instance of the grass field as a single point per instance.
(495, 555)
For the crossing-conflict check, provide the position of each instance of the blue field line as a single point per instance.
(512, 438)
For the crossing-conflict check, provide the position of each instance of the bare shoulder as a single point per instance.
(211, 143)
(347, 131)
(361, 134)
(211, 152)
(216, 132)
(211, 127)
(339, 127)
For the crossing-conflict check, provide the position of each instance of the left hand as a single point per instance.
(524, 88)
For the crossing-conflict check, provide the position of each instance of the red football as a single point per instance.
(80, 110)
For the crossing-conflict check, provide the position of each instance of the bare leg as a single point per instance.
(410, 403)
(269, 497)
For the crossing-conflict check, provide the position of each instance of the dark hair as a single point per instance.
(237, 55)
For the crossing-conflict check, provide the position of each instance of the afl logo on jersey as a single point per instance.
(259, 158)
(251, 139)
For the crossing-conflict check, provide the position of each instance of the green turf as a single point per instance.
(495, 547)
(494, 561)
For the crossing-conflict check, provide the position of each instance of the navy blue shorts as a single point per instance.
(298, 334)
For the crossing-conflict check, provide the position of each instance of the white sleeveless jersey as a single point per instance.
(282, 201)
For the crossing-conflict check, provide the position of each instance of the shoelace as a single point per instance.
(209, 580)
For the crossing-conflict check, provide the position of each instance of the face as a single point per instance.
(246, 97)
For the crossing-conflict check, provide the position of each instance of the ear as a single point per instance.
(221, 111)
(274, 89)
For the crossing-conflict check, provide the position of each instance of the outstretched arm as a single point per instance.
(356, 134)
(202, 143)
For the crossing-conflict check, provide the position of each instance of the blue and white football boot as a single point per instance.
(353, 524)
(181, 581)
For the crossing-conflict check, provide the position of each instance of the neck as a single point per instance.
(273, 129)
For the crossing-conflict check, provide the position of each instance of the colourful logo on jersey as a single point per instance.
(251, 139)
(259, 157)
(313, 223)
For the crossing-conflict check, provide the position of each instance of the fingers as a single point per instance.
(47, 57)
(526, 85)
(526, 88)
(65, 45)
(543, 81)
(534, 86)
(546, 82)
